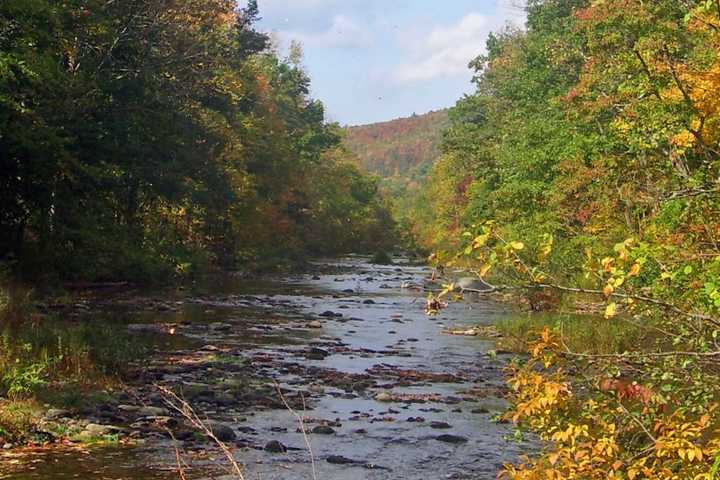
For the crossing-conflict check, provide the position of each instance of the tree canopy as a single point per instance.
(145, 138)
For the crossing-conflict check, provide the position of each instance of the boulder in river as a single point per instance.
(222, 432)
(275, 446)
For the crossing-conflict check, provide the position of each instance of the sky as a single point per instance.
(375, 60)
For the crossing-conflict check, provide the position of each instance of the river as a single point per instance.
(383, 392)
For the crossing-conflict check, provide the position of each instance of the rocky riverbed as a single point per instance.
(381, 391)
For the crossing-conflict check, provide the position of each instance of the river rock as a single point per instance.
(222, 432)
(128, 408)
(448, 438)
(440, 425)
(56, 413)
(96, 430)
(274, 446)
(323, 430)
(314, 324)
(317, 354)
(153, 412)
(383, 397)
(340, 460)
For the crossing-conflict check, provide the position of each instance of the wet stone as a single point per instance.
(323, 430)
(317, 354)
(152, 412)
(56, 413)
(275, 446)
(222, 432)
(340, 460)
(448, 438)
(440, 425)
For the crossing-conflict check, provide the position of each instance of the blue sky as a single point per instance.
(374, 60)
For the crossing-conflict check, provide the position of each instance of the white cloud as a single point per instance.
(343, 32)
(446, 50)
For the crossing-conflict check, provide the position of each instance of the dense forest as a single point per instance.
(585, 169)
(144, 140)
(393, 148)
(401, 153)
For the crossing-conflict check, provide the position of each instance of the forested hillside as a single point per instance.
(145, 140)
(402, 153)
(585, 169)
(399, 146)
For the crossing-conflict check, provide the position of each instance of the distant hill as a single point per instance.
(405, 147)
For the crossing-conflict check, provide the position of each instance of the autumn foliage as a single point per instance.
(586, 165)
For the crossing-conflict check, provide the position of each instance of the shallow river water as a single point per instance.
(395, 397)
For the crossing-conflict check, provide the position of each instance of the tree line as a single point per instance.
(585, 168)
(147, 138)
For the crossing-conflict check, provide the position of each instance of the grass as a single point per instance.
(45, 360)
(581, 333)
(18, 419)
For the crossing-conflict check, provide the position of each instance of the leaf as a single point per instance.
(480, 240)
(608, 290)
(485, 269)
(611, 310)
(517, 245)
(607, 263)
(634, 270)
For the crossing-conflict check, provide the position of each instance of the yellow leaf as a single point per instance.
(606, 263)
(480, 240)
(485, 269)
(517, 245)
(611, 310)
(608, 290)
(634, 270)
